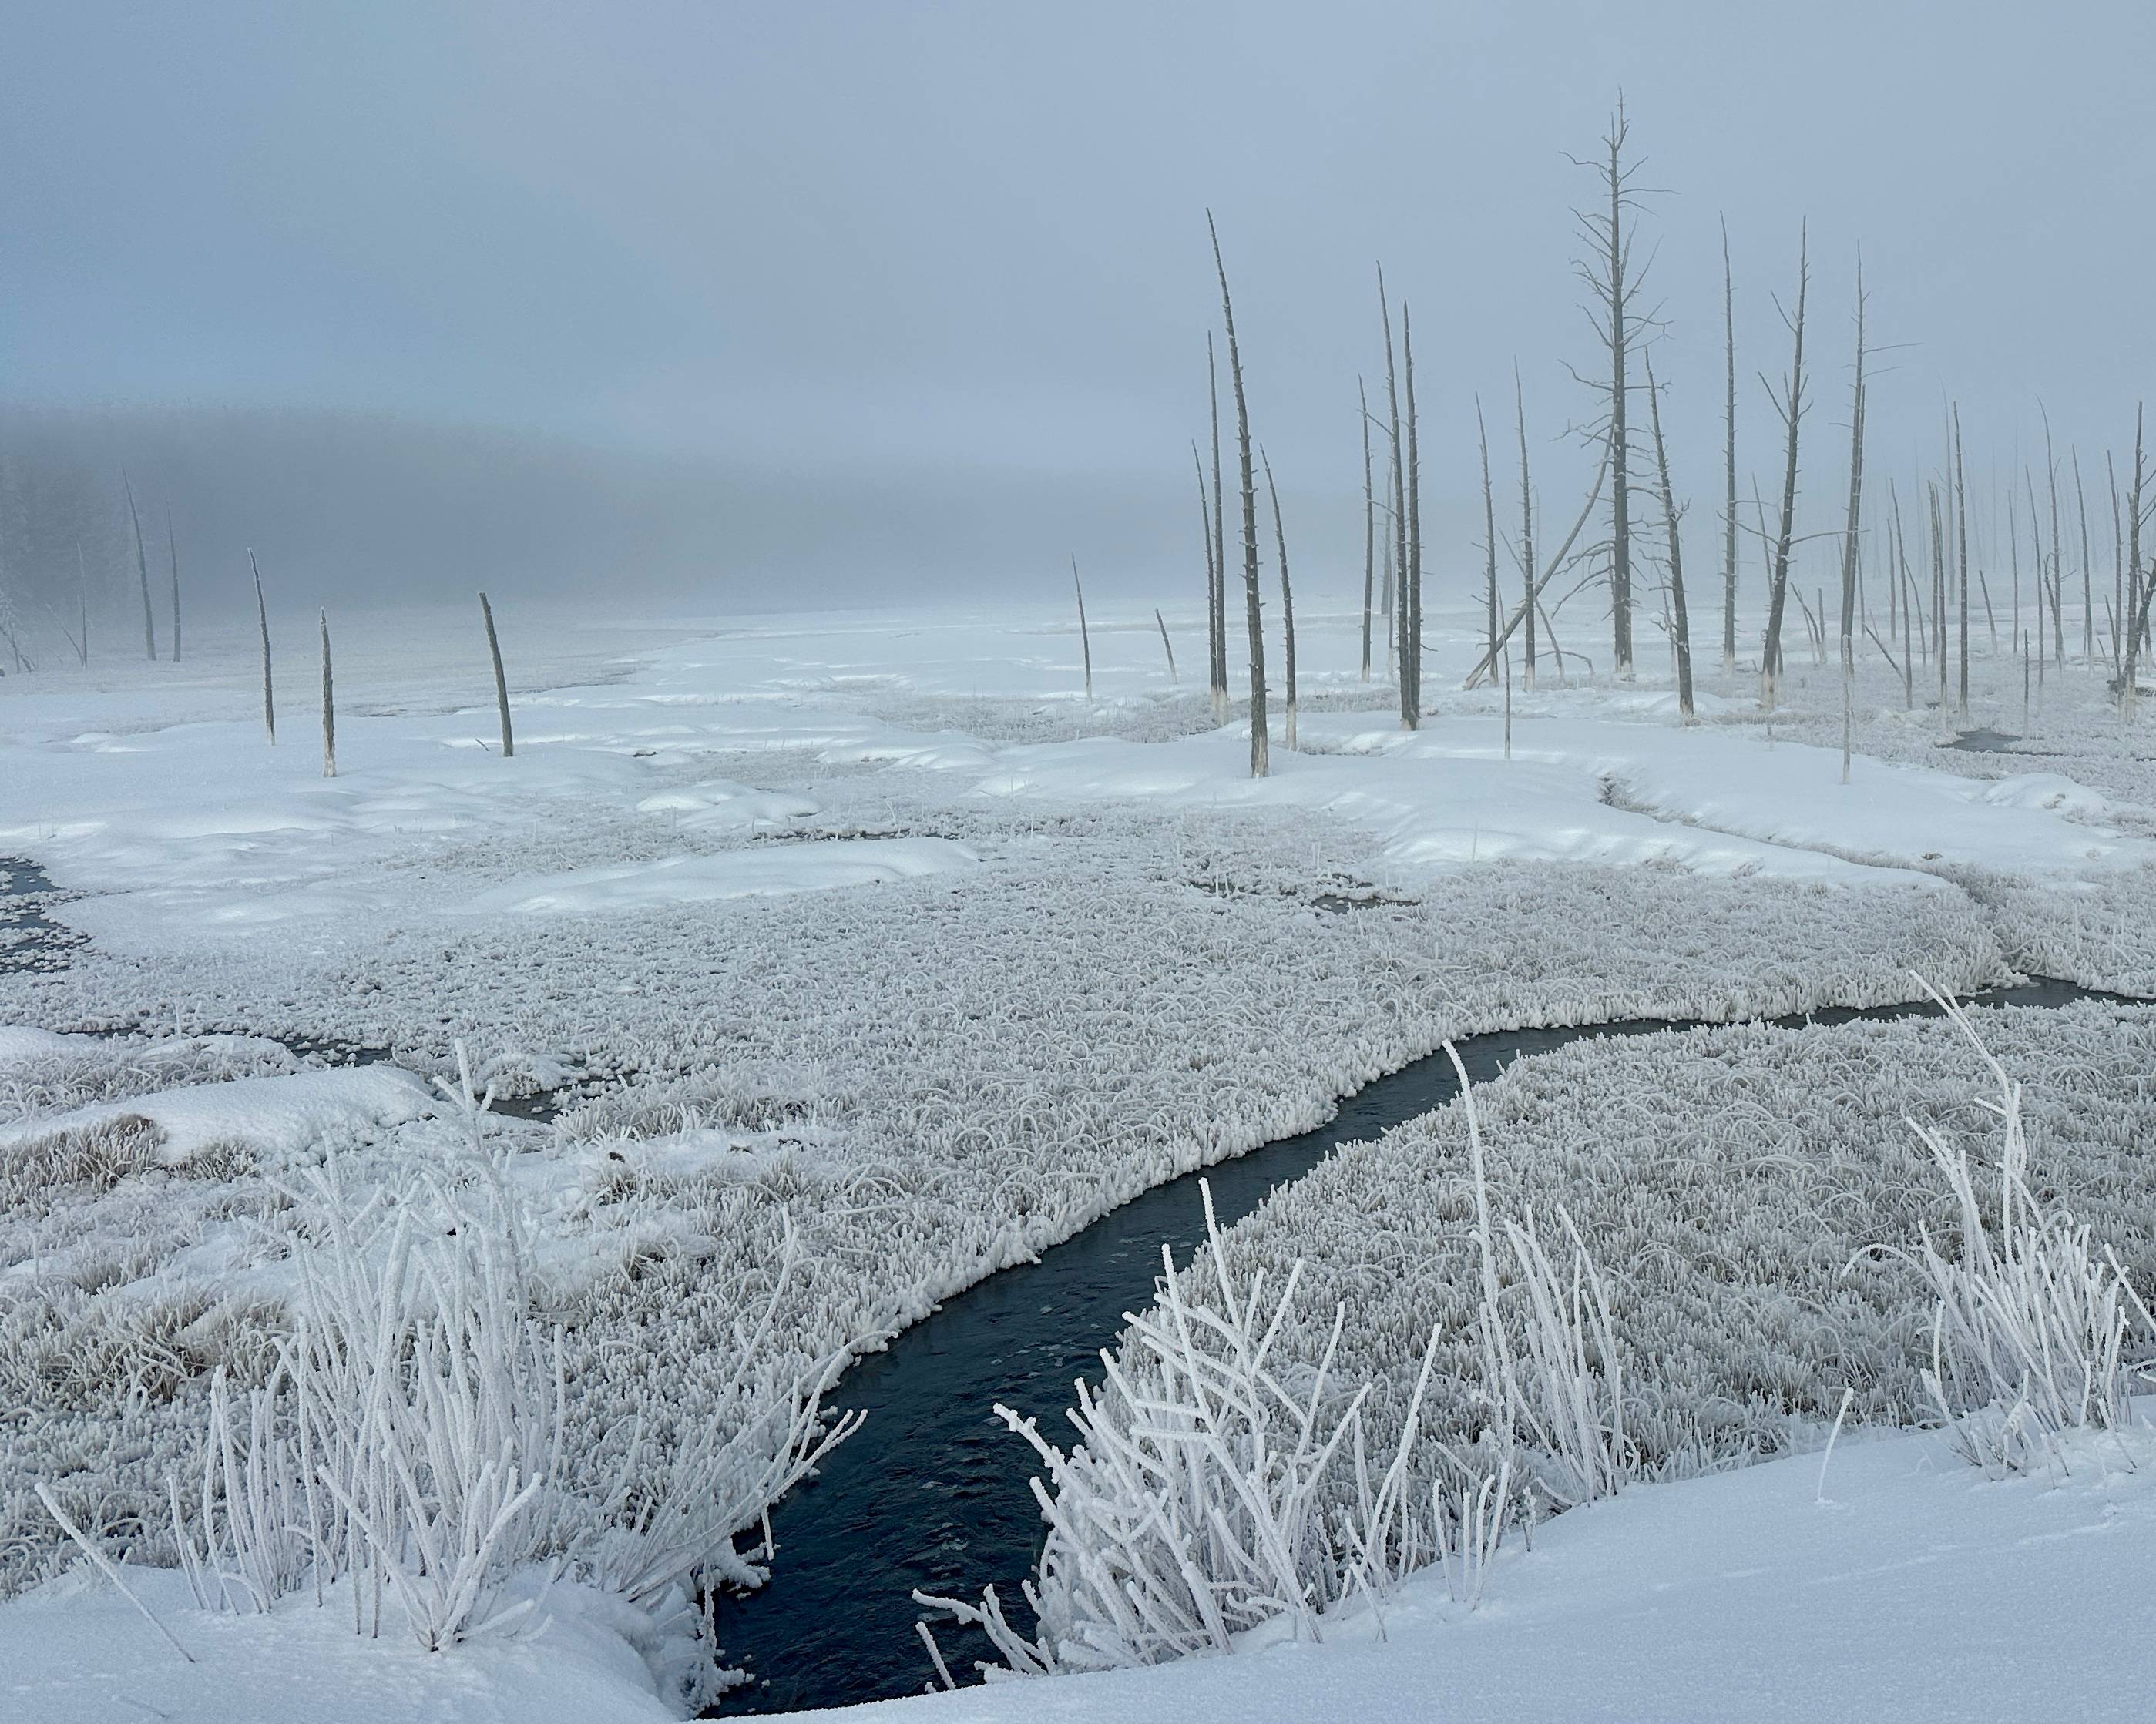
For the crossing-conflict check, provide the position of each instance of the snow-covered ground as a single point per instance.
(878, 923)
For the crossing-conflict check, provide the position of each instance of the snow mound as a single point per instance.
(272, 1114)
(765, 872)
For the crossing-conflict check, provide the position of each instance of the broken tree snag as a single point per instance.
(1166, 646)
(142, 570)
(1253, 600)
(329, 706)
(1287, 601)
(262, 618)
(1084, 642)
(500, 682)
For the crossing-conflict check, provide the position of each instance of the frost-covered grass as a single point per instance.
(1755, 1198)
(1140, 966)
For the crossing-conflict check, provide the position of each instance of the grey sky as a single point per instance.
(954, 254)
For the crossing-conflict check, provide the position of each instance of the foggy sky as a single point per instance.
(915, 295)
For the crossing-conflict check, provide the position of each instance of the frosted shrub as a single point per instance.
(2031, 1325)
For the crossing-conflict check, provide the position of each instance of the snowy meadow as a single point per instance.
(805, 973)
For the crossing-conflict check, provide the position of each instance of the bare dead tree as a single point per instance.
(1961, 550)
(1613, 287)
(1680, 627)
(82, 605)
(1940, 593)
(2088, 582)
(1253, 601)
(1219, 641)
(1790, 405)
(1411, 624)
(172, 542)
(1908, 591)
(1369, 526)
(1287, 605)
(262, 617)
(1729, 460)
(2057, 579)
(1489, 531)
(142, 570)
(501, 682)
(1166, 645)
(2138, 591)
(1400, 619)
(1485, 666)
(1215, 622)
(1526, 535)
(329, 706)
(1084, 639)
(1852, 524)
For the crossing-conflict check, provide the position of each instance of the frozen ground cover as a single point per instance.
(1128, 971)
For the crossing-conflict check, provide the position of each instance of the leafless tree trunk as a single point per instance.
(1484, 666)
(2088, 583)
(1402, 617)
(1729, 460)
(1369, 526)
(1526, 535)
(501, 682)
(1287, 605)
(1489, 532)
(1612, 285)
(142, 570)
(1680, 626)
(1961, 550)
(1791, 407)
(329, 706)
(1085, 640)
(172, 542)
(1219, 641)
(262, 618)
(1214, 621)
(1939, 594)
(1253, 602)
(2138, 590)
(2057, 581)
(1907, 587)
(1852, 524)
(1166, 646)
(82, 604)
(1411, 629)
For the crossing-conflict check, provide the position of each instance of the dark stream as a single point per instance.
(932, 1491)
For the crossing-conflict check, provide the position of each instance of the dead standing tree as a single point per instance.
(1728, 461)
(1287, 607)
(1849, 539)
(1411, 590)
(141, 569)
(1614, 286)
(1526, 535)
(172, 542)
(1489, 532)
(1790, 405)
(501, 682)
(1403, 616)
(262, 617)
(1369, 526)
(1679, 623)
(1219, 661)
(1253, 600)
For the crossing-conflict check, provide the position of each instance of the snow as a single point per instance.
(268, 1114)
(877, 922)
(1908, 1588)
(768, 872)
(1916, 1590)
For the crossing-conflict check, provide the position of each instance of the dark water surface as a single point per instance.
(932, 1491)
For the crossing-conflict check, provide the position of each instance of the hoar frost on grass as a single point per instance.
(1769, 1228)
(933, 1083)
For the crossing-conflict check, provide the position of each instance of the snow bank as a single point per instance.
(767, 871)
(1912, 1590)
(267, 1114)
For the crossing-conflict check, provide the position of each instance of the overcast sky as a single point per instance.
(955, 252)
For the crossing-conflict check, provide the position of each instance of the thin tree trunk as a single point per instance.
(1252, 602)
(1907, 590)
(1615, 288)
(1728, 461)
(2138, 591)
(1939, 595)
(1681, 629)
(1369, 526)
(1484, 666)
(1213, 621)
(329, 706)
(1791, 408)
(1489, 531)
(1401, 621)
(1526, 535)
(82, 604)
(1220, 641)
(1166, 646)
(262, 618)
(1851, 524)
(1287, 605)
(1411, 639)
(501, 682)
(2088, 585)
(142, 570)
(172, 542)
(2051, 482)
(1961, 550)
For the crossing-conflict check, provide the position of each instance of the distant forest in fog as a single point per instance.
(361, 509)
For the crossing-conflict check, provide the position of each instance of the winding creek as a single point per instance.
(933, 1492)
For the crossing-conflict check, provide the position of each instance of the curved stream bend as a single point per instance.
(932, 1492)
